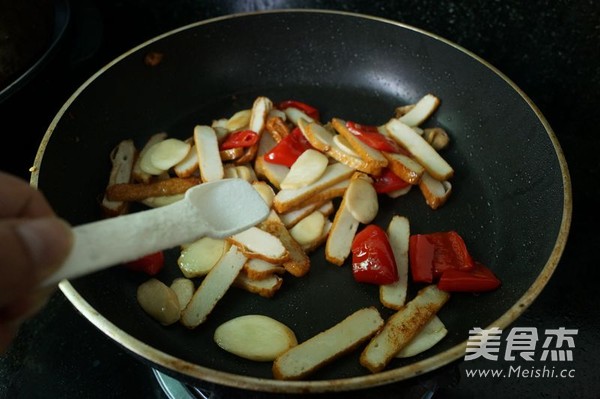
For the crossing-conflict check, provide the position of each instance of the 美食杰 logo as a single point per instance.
(529, 352)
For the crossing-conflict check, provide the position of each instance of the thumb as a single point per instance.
(47, 242)
(30, 250)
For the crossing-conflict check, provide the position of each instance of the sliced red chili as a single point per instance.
(478, 279)
(388, 181)
(372, 257)
(288, 149)
(307, 109)
(242, 138)
(150, 264)
(370, 136)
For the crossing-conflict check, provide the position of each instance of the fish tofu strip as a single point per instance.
(122, 159)
(402, 327)
(289, 199)
(393, 295)
(213, 287)
(323, 348)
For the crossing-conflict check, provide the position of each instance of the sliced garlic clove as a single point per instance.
(265, 191)
(246, 172)
(294, 115)
(239, 120)
(255, 337)
(184, 289)
(138, 174)
(168, 153)
(146, 165)
(159, 301)
(308, 168)
(361, 200)
(198, 258)
(308, 229)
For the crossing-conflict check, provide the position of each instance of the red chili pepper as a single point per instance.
(479, 279)
(372, 257)
(432, 254)
(243, 138)
(307, 109)
(388, 181)
(288, 149)
(371, 137)
(150, 264)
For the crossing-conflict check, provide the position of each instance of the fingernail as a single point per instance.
(48, 240)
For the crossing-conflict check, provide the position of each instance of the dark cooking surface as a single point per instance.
(547, 51)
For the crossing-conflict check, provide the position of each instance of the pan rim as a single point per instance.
(196, 371)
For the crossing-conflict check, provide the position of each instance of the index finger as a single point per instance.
(19, 199)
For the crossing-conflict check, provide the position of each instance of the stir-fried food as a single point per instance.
(322, 181)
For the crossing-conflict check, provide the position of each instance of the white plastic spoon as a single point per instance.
(218, 209)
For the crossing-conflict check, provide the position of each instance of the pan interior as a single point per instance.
(508, 191)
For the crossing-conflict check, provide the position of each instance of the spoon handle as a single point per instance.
(108, 242)
(217, 209)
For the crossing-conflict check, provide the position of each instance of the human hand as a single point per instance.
(33, 243)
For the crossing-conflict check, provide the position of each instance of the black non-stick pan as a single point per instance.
(511, 197)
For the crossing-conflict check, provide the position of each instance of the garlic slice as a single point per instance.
(361, 199)
(168, 153)
(308, 229)
(239, 120)
(294, 115)
(308, 168)
(184, 289)
(198, 258)
(255, 337)
(159, 301)
(138, 174)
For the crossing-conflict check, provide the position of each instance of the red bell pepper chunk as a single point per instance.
(479, 279)
(150, 264)
(243, 138)
(307, 109)
(388, 181)
(451, 253)
(432, 254)
(288, 149)
(372, 257)
(371, 137)
(421, 254)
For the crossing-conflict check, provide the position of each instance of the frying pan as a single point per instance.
(511, 196)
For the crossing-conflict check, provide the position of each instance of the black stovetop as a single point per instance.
(550, 49)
